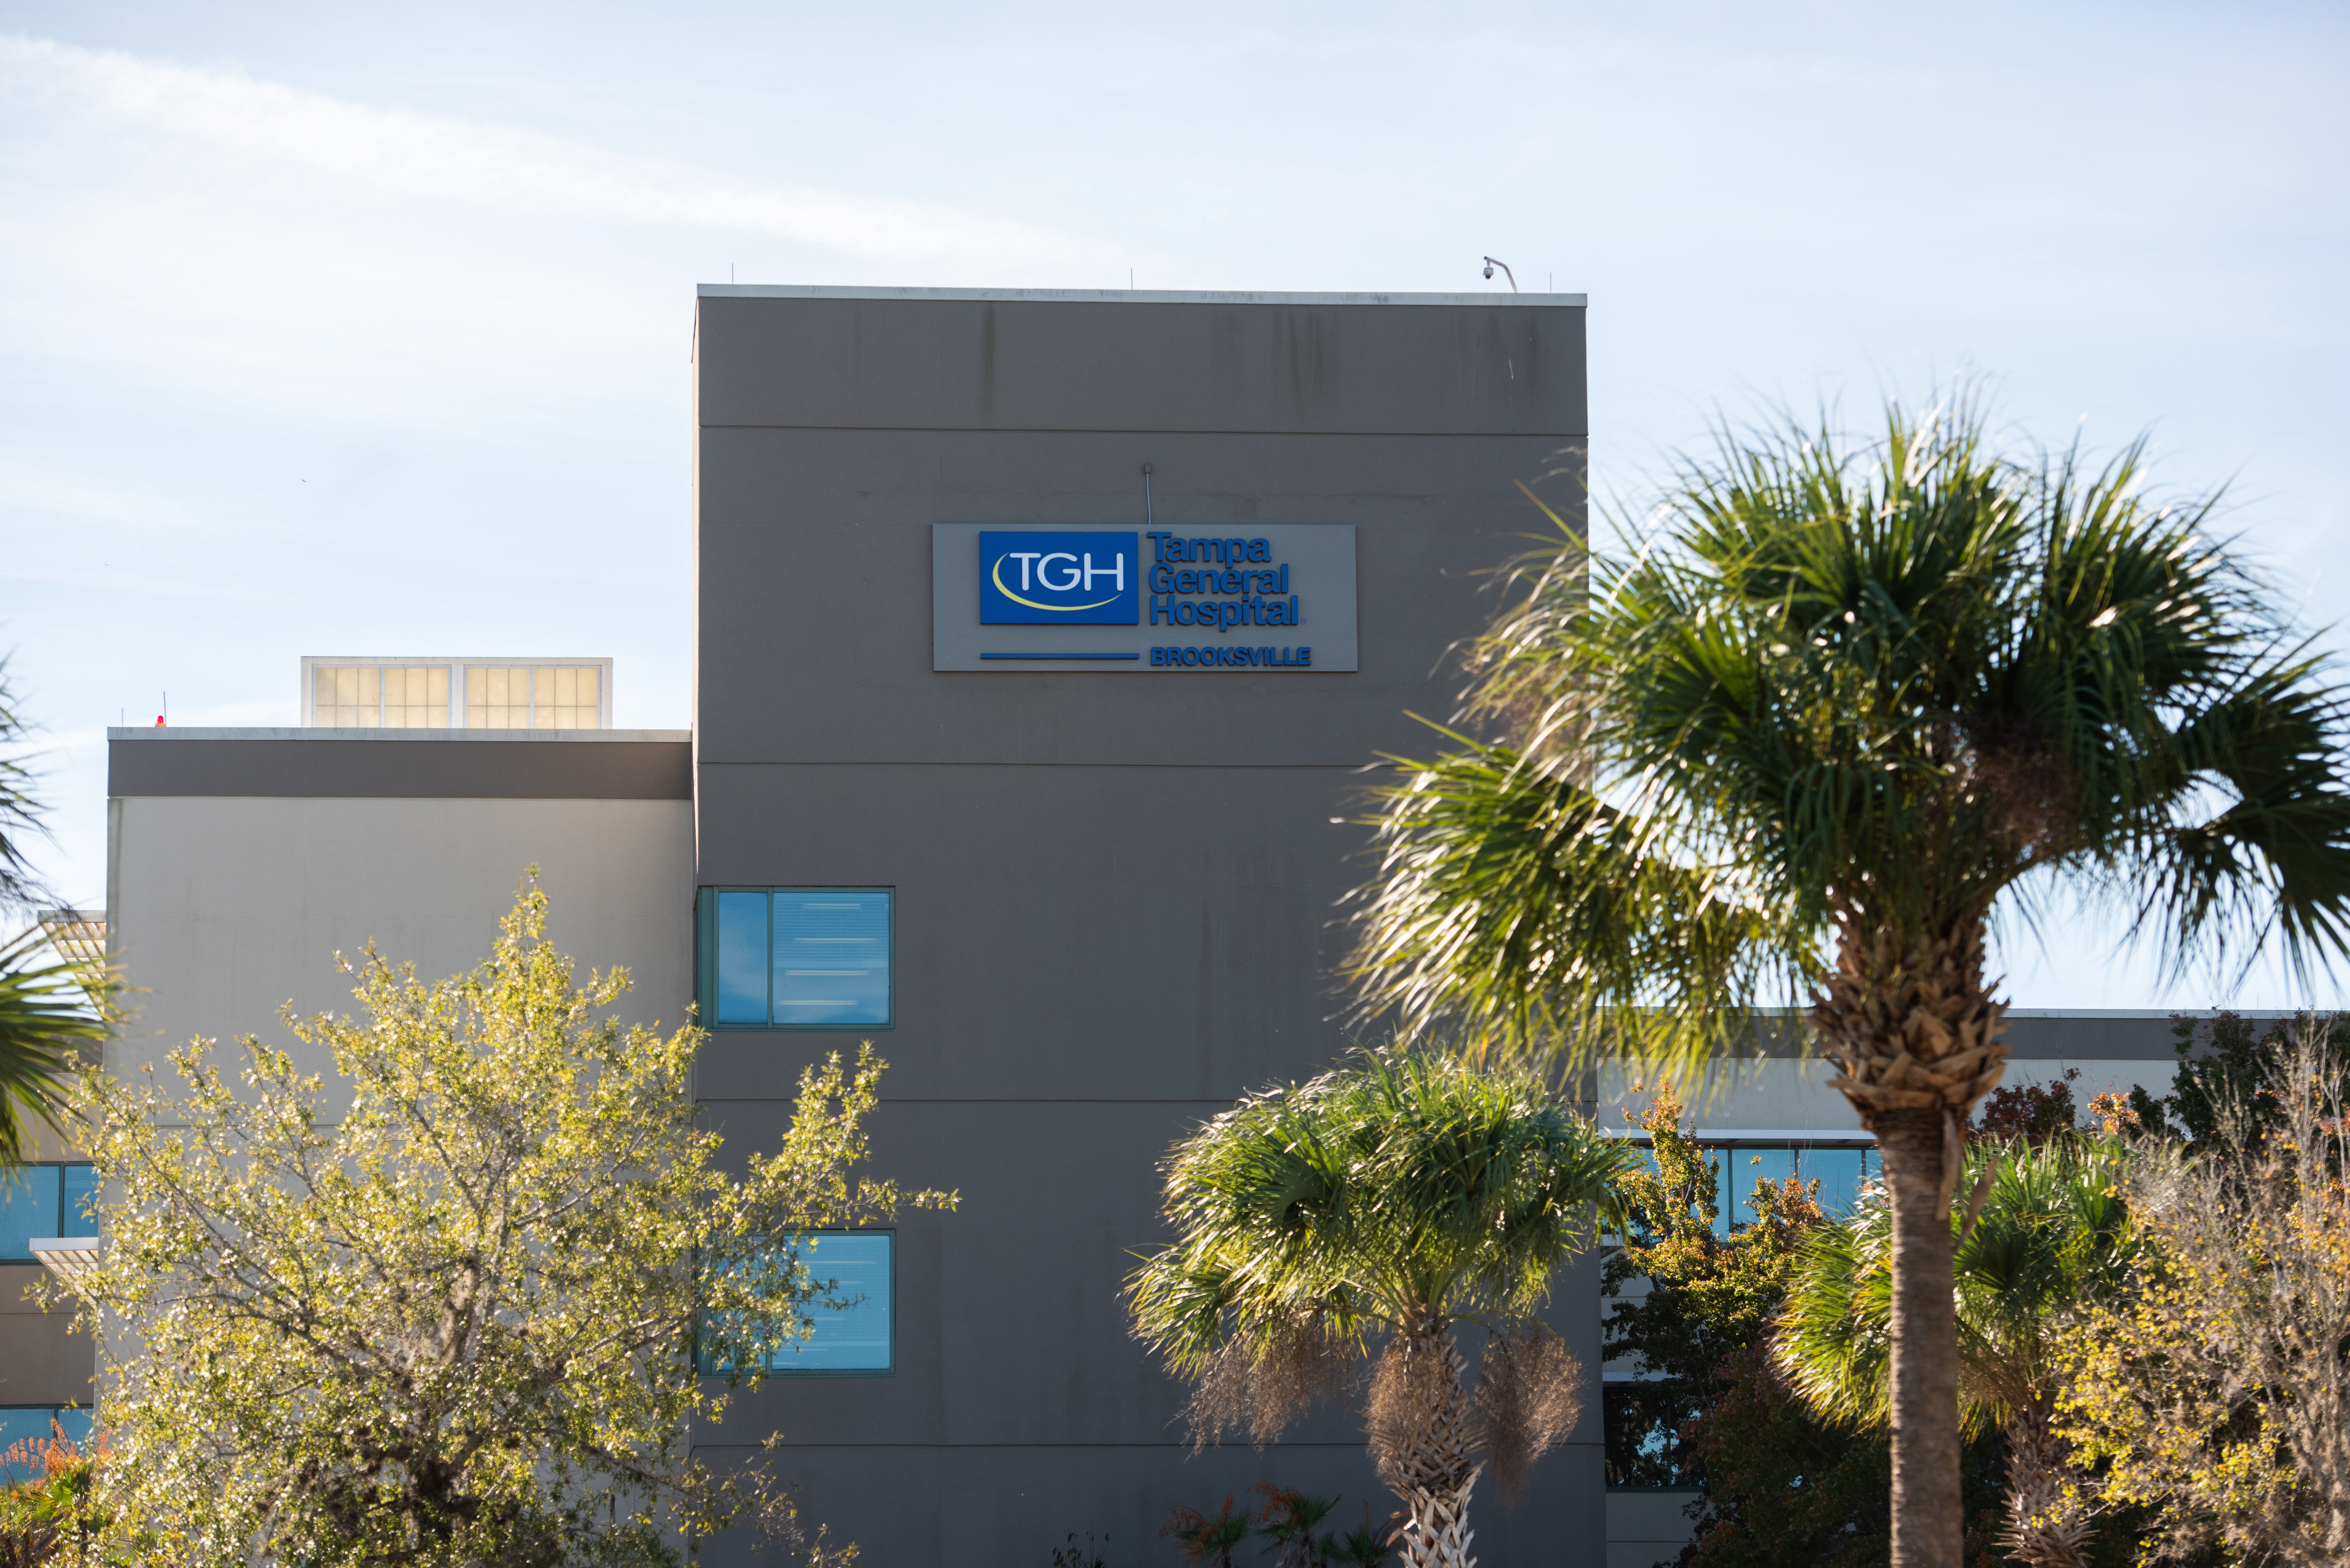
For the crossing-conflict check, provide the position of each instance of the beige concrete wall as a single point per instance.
(224, 908)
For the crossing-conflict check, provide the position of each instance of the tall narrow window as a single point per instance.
(797, 957)
(742, 941)
(1740, 1169)
(79, 1186)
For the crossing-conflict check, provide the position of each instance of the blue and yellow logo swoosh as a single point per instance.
(1111, 563)
(1032, 604)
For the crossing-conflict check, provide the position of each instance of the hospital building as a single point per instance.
(1042, 642)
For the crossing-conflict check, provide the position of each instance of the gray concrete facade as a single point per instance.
(392, 765)
(1115, 895)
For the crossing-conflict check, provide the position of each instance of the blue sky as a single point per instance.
(330, 328)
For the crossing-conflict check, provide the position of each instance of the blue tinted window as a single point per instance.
(1742, 1167)
(851, 1327)
(1772, 1165)
(741, 957)
(832, 957)
(79, 1184)
(1839, 1172)
(23, 1426)
(28, 1207)
(798, 957)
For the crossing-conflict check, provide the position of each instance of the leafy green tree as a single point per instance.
(1839, 702)
(456, 1323)
(1398, 1200)
(2032, 1113)
(52, 1008)
(1780, 1488)
(1708, 1296)
(2225, 1088)
(2053, 1238)
(1786, 1490)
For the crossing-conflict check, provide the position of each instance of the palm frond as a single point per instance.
(51, 1009)
(1405, 1190)
(2272, 858)
(1834, 1341)
(2053, 1234)
(1517, 912)
(1883, 685)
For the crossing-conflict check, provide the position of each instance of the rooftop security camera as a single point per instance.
(1489, 269)
(1491, 263)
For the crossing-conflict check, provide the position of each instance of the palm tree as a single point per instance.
(1287, 1520)
(1208, 1540)
(1841, 701)
(2054, 1237)
(1392, 1201)
(51, 1005)
(51, 1008)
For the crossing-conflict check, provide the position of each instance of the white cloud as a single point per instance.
(504, 168)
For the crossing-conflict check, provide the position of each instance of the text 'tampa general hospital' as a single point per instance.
(1040, 643)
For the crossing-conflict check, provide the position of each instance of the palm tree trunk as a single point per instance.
(1916, 1033)
(1433, 1470)
(1928, 1516)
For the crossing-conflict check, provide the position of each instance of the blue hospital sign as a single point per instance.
(1040, 578)
(1265, 598)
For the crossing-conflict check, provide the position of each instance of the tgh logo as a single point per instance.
(1033, 577)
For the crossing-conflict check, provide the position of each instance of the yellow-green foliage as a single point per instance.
(2215, 1392)
(457, 1322)
(1732, 1285)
